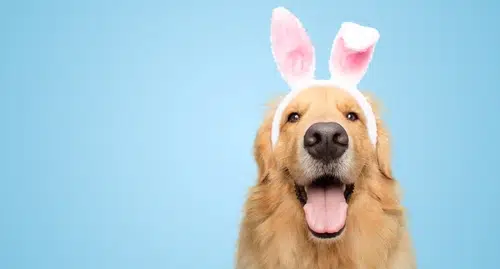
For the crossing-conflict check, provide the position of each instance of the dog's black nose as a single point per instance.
(326, 141)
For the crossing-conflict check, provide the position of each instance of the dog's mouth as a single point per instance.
(325, 203)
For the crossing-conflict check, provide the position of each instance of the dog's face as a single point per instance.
(323, 133)
(323, 148)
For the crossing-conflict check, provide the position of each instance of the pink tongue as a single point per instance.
(326, 209)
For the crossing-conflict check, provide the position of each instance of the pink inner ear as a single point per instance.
(297, 61)
(292, 48)
(349, 61)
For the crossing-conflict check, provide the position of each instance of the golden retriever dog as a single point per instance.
(325, 196)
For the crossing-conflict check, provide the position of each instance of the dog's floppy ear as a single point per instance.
(383, 140)
(262, 144)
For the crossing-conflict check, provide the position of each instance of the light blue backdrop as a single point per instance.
(127, 127)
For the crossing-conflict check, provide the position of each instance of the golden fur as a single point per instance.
(274, 234)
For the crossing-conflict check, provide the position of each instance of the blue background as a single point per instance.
(127, 127)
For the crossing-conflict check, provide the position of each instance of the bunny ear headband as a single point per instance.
(293, 53)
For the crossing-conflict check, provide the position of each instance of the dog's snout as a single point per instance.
(326, 141)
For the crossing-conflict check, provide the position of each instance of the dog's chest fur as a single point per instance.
(279, 241)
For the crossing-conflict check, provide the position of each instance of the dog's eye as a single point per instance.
(293, 117)
(352, 116)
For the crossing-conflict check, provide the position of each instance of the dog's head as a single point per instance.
(323, 135)
(323, 151)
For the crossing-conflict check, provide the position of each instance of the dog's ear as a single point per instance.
(383, 151)
(262, 145)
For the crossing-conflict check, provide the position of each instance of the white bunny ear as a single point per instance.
(352, 52)
(292, 49)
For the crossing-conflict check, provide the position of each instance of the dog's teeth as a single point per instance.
(343, 187)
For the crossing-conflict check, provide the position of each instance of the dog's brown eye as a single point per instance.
(293, 117)
(352, 116)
